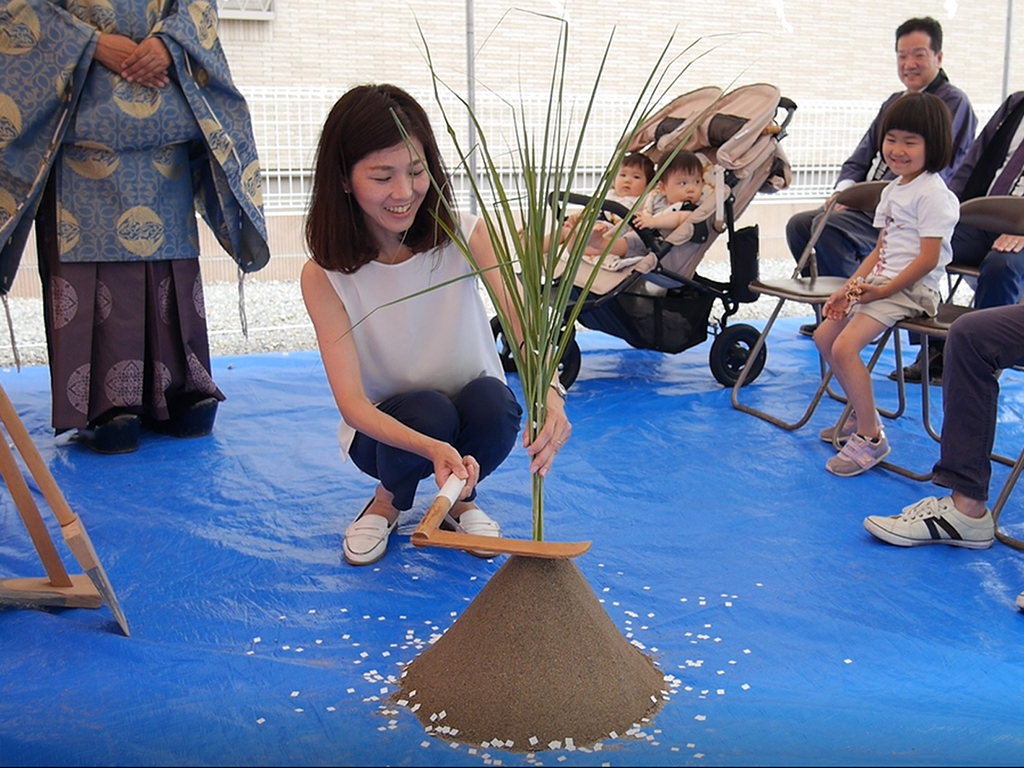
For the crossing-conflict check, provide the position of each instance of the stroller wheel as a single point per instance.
(730, 353)
(568, 366)
(508, 363)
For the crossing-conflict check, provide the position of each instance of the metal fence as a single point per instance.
(287, 125)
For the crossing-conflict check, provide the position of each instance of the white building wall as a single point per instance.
(835, 59)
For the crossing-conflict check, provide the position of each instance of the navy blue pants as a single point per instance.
(481, 421)
(1001, 280)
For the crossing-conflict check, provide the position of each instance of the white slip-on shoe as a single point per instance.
(366, 539)
(476, 522)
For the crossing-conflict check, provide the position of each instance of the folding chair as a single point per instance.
(813, 290)
(1002, 214)
(1004, 495)
(927, 328)
(957, 275)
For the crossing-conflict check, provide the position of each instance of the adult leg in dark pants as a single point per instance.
(979, 345)
(482, 421)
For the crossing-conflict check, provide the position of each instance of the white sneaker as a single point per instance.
(366, 539)
(934, 521)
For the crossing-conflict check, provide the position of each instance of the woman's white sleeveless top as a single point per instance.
(411, 334)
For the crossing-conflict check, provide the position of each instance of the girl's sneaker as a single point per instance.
(858, 455)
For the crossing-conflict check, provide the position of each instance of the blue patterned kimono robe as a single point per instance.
(113, 173)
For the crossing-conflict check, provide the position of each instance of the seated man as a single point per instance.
(849, 235)
(993, 166)
(979, 345)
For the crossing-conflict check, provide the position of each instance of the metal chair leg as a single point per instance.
(826, 377)
(1004, 495)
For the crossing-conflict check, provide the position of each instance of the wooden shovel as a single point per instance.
(428, 534)
(60, 589)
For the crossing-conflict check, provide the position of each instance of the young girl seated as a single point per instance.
(901, 277)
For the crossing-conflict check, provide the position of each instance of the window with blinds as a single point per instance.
(253, 10)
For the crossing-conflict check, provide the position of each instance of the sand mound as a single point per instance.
(534, 659)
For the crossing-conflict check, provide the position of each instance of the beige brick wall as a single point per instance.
(810, 49)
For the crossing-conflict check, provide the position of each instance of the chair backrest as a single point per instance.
(863, 196)
(957, 275)
(1002, 214)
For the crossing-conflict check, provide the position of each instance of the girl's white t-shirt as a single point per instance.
(438, 340)
(907, 212)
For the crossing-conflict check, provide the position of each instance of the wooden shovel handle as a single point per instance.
(442, 503)
(428, 535)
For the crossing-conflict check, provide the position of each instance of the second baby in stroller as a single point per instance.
(631, 179)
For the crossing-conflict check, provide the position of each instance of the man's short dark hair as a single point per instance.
(927, 116)
(928, 25)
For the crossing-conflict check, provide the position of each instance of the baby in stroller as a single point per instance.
(679, 191)
(634, 174)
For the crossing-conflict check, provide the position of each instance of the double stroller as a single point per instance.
(660, 302)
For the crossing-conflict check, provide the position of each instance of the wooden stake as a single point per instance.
(71, 526)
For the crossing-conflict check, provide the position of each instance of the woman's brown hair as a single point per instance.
(366, 120)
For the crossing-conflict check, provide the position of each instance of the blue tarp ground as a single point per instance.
(720, 546)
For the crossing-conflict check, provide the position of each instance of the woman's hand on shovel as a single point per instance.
(448, 462)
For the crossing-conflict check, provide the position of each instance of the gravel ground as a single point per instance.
(278, 322)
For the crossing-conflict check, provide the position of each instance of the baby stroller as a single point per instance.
(660, 302)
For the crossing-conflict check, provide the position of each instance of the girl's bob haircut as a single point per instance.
(927, 116)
